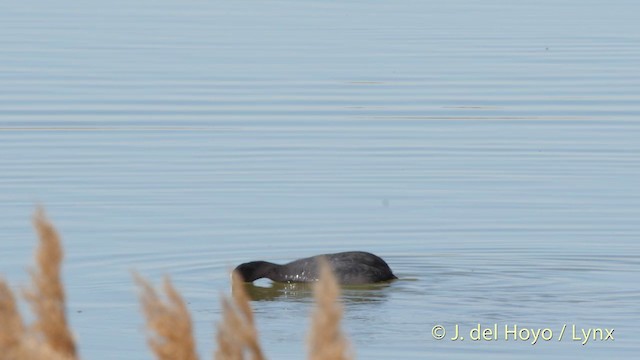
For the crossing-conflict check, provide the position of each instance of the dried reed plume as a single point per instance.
(237, 333)
(46, 295)
(11, 327)
(49, 337)
(326, 341)
(169, 320)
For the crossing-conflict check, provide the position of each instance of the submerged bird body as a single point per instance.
(349, 268)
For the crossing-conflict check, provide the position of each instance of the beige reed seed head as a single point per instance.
(12, 328)
(237, 335)
(46, 294)
(326, 340)
(169, 322)
(16, 341)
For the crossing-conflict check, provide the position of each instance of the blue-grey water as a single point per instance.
(489, 151)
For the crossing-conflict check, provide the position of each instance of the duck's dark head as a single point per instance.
(254, 270)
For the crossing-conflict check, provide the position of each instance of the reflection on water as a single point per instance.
(304, 292)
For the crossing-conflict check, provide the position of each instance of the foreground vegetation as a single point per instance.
(168, 320)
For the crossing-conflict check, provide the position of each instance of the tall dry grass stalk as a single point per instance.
(170, 322)
(237, 334)
(49, 337)
(326, 341)
(11, 327)
(46, 295)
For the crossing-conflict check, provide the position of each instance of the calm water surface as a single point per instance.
(489, 151)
